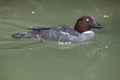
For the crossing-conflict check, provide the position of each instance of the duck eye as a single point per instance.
(87, 20)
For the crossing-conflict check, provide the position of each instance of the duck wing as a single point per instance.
(63, 28)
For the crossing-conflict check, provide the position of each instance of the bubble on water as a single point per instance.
(30, 27)
(102, 54)
(87, 53)
(110, 41)
(33, 12)
(106, 16)
(114, 44)
(96, 9)
(31, 48)
(106, 46)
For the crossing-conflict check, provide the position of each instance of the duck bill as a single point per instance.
(96, 25)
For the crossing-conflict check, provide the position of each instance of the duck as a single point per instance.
(63, 33)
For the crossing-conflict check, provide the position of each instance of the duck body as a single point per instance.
(63, 33)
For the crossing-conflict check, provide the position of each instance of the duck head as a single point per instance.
(85, 23)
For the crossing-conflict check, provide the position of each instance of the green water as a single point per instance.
(27, 59)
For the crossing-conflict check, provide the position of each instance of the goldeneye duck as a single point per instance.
(64, 33)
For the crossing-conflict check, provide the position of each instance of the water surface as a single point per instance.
(28, 59)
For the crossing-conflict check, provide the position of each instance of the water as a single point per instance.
(28, 59)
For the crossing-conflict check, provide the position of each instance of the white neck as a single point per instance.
(88, 32)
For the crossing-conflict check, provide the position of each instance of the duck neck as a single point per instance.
(79, 28)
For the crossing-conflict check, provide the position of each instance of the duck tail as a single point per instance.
(23, 35)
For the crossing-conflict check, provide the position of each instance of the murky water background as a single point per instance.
(27, 59)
